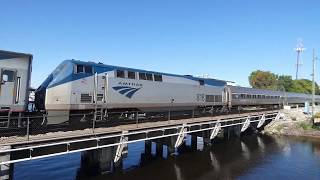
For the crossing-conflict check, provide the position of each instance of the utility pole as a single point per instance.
(313, 81)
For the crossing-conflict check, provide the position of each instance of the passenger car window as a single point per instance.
(201, 82)
(131, 75)
(8, 76)
(142, 76)
(88, 69)
(158, 77)
(120, 74)
(80, 69)
(149, 77)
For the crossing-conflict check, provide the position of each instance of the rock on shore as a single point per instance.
(295, 123)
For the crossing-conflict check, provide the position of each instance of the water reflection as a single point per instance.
(223, 159)
(316, 149)
(248, 157)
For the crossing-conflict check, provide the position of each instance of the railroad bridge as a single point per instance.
(107, 146)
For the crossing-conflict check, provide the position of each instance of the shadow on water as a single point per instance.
(248, 157)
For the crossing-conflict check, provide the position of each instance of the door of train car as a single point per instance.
(227, 97)
(7, 88)
(101, 88)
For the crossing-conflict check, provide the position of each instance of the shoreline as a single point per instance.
(296, 124)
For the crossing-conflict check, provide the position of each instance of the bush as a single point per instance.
(305, 126)
(317, 115)
(308, 126)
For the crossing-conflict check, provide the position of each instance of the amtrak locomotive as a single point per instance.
(79, 87)
(76, 89)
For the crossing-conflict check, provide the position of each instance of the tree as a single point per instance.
(267, 80)
(263, 80)
(284, 82)
(303, 86)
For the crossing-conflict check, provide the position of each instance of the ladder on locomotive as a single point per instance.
(100, 111)
(9, 119)
(100, 114)
(5, 120)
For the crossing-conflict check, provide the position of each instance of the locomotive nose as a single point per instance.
(40, 94)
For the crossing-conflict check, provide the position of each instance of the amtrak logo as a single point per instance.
(126, 90)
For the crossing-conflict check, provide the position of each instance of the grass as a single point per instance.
(279, 127)
(308, 126)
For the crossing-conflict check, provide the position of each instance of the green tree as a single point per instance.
(263, 80)
(267, 80)
(303, 86)
(284, 82)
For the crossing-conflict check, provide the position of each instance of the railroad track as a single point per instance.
(35, 129)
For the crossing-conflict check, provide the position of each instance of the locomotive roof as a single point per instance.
(64, 73)
(10, 54)
(208, 81)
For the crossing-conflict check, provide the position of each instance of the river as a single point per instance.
(251, 157)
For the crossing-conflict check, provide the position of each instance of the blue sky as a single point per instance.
(226, 39)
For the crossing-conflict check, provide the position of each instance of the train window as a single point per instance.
(158, 77)
(88, 69)
(84, 69)
(131, 75)
(120, 74)
(209, 98)
(7, 76)
(201, 82)
(142, 76)
(80, 69)
(149, 77)
(218, 98)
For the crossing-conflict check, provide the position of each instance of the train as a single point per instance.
(79, 87)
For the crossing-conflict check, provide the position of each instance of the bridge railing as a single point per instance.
(22, 128)
(97, 140)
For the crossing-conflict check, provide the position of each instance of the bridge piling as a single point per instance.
(194, 141)
(5, 169)
(98, 161)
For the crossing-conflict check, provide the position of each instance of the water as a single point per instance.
(251, 157)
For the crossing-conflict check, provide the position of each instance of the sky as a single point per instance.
(226, 39)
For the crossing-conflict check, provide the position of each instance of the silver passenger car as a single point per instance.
(242, 96)
(15, 73)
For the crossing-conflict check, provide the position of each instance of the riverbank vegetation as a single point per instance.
(296, 123)
(308, 126)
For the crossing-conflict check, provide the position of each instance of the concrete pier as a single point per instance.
(6, 169)
(170, 142)
(98, 161)
(159, 148)
(147, 147)
(194, 141)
